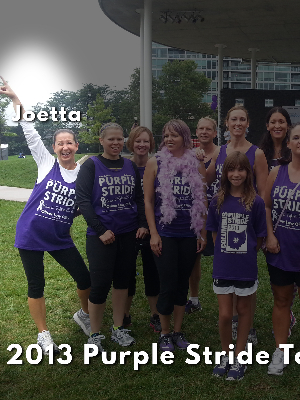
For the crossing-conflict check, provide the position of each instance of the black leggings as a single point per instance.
(110, 263)
(174, 266)
(151, 278)
(70, 259)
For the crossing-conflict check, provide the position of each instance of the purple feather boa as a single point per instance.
(188, 166)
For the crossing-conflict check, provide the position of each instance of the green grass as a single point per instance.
(77, 381)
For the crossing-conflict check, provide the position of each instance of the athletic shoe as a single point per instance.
(155, 323)
(190, 307)
(180, 341)
(121, 336)
(165, 343)
(96, 339)
(126, 321)
(236, 371)
(276, 366)
(44, 340)
(234, 329)
(83, 320)
(293, 323)
(222, 368)
(252, 337)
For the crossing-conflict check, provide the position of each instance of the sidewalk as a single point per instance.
(14, 193)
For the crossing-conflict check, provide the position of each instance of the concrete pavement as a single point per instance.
(14, 193)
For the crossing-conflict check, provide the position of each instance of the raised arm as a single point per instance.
(6, 90)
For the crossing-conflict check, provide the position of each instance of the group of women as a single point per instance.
(159, 205)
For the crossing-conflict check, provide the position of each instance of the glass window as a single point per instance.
(208, 64)
(295, 87)
(297, 102)
(269, 102)
(213, 75)
(208, 74)
(282, 77)
(162, 53)
(260, 76)
(269, 76)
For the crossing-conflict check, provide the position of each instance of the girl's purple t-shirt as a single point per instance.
(235, 256)
(113, 197)
(180, 226)
(288, 229)
(250, 153)
(141, 172)
(45, 222)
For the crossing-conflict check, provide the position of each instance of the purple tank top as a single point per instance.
(113, 197)
(45, 222)
(250, 153)
(288, 229)
(180, 225)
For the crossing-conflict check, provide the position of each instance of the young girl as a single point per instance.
(282, 207)
(141, 142)
(237, 121)
(110, 197)
(237, 220)
(175, 205)
(45, 222)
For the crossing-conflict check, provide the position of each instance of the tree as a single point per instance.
(97, 115)
(4, 102)
(182, 88)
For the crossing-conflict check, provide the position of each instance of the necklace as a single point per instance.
(187, 165)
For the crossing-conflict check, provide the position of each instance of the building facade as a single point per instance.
(236, 72)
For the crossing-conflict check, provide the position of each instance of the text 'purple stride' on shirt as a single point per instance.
(113, 197)
(288, 229)
(235, 256)
(180, 226)
(45, 222)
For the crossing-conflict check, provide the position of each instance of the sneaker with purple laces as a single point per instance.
(180, 341)
(236, 372)
(165, 343)
(222, 368)
(190, 307)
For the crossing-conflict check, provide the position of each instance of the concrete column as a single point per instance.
(148, 63)
(142, 92)
(220, 86)
(253, 67)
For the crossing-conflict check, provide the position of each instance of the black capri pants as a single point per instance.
(151, 278)
(174, 266)
(110, 263)
(70, 259)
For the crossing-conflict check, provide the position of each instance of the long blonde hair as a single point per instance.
(237, 160)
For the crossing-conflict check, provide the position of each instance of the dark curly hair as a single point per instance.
(267, 144)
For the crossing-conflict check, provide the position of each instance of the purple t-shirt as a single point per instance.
(141, 172)
(113, 197)
(45, 222)
(235, 256)
(288, 229)
(250, 153)
(180, 226)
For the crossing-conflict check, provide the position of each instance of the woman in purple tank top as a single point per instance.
(45, 222)
(283, 211)
(175, 206)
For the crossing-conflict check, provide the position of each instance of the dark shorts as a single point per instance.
(240, 288)
(279, 277)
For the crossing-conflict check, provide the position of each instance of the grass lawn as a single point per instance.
(97, 380)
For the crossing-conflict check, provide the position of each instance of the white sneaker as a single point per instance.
(276, 366)
(97, 341)
(44, 339)
(122, 337)
(83, 320)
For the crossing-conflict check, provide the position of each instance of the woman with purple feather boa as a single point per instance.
(176, 206)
